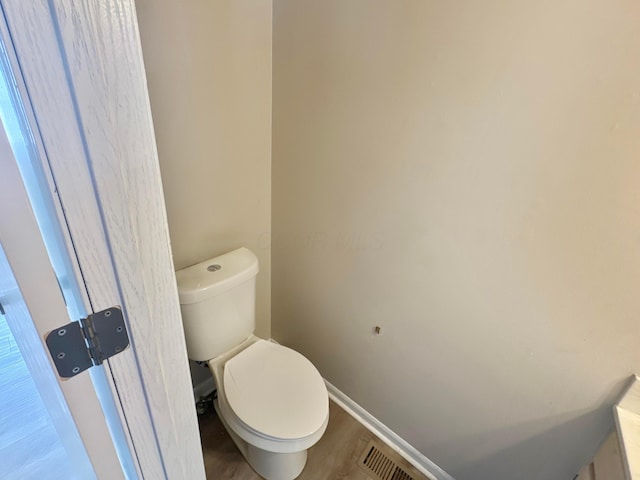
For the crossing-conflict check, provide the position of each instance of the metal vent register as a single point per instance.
(380, 466)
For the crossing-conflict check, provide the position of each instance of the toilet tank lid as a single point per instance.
(216, 275)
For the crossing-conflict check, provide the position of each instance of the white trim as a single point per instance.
(43, 303)
(33, 34)
(627, 419)
(59, 244)
(388, 436)
(83, 71)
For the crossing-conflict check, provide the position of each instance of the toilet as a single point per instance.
(270, 398)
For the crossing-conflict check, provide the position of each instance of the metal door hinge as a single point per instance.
(80, 345)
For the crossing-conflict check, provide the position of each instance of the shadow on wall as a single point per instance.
(530, 450)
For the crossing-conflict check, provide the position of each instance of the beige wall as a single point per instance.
(467, 176)
(209, 72)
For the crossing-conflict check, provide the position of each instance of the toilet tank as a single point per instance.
(217, 300)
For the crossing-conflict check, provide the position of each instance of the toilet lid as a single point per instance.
(276, 391)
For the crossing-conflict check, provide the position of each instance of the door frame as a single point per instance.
(84, 80)
(39, 303)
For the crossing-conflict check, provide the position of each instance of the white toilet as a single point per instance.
(271, 399)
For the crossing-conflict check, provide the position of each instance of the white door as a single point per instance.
(79, 73)
(48, 429)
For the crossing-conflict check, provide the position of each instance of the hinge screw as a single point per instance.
(61, 355)
(119, 329)
(107, 313)
(62, 331)
(75, 369)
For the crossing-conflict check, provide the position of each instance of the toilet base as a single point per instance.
(269, 465)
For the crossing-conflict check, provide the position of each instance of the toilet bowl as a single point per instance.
(274, 404)
(270, 398)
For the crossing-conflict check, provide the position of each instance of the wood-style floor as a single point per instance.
(334, 457)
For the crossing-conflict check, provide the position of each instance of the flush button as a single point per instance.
(214, 268)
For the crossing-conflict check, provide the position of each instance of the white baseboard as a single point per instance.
(393, 440)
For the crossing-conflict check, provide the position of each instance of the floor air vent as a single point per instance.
(380, 466)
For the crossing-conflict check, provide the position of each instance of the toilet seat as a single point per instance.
(275, 392)
(243, 430)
